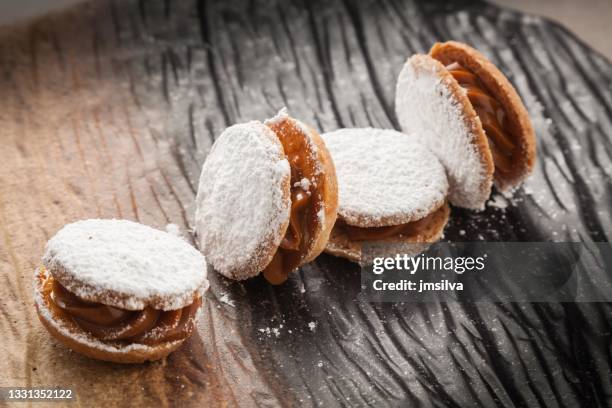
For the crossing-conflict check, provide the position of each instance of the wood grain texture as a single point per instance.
(108, 110)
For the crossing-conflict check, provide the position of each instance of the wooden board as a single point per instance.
(109, 109)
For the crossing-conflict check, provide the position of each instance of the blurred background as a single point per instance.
(589, 19)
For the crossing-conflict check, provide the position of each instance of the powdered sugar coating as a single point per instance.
(243, 203)
(426, 107)
(125, 264)
(384, 177)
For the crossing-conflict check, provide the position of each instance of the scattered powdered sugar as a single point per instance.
(129, 265)
(304, 184)
(426, 108)
(384, 177)
(277, 331)
(273, 331)
(498, 201)
(243, 203)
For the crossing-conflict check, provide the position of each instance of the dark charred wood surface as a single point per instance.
(109, 110)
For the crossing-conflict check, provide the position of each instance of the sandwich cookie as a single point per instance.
(267, 199)
(119, 291)
(471, 117)
(392, 193)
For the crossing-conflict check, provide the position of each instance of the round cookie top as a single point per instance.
(430, 104)
(384, 177)
(125, 264)
(243, 200)
(500, 87)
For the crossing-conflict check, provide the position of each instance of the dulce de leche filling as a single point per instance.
(492, 116)
(306, 182)
(406, 230)
(148, 326)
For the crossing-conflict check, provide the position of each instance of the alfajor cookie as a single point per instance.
(392, 193)
(119, 291)
(471, 117)
(267, 199)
